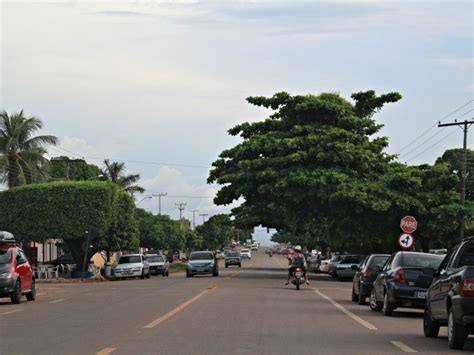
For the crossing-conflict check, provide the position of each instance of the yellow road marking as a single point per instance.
(106, 351)
(403, 347)
(178, 308)
(348, 313)
(10, 312)
(57, 301)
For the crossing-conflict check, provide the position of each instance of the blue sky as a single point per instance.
(161, 82)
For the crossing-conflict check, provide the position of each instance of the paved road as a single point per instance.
(244, 311)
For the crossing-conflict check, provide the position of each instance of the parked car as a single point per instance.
(132, 265)
(365, 275)
(16, 274)
(201, 263)
(233, 258)
(403, 281)
(246, 254)
(324, 265)
(158, 264)
(450, 298)
(254, 246)
(342, 266)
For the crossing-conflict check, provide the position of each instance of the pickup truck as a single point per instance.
(450, 298)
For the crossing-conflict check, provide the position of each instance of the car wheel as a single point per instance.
(167, 273)
(373, 302)
(15, 296)
(31, 296)
(226, 266)
(240, 265)
(457, 333)
(430, 326)
(123, 278)
(142, 276)
(163, 274)
(148, 274)
(215, 274)
(189, 275)
(354, 296)
(387, 308)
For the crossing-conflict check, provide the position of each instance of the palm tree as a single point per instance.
(22, 158)
(115, 172)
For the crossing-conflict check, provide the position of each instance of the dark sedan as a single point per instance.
(365, 275)
(403, 281)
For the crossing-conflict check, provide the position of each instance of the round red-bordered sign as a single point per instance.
(406, 241)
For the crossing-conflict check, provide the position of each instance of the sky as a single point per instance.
(157, 84)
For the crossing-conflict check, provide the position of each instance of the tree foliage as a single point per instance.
(66, 210)
(115, 172)
(317, 171)
(22, 159)
(64, 168)
(216, 231)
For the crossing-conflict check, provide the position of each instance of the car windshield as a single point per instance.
(422, 260)
(233, 254)
(155, 259)
(5, 256)
(379, 261)
(244, 251)
(130, 259)
(201, 256)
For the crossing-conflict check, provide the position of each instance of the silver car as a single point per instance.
(158, 264)
(202, 263)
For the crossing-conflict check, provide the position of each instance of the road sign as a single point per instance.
(408, 224)
(406, 240)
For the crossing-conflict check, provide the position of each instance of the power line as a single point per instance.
(62, 150)
(431, 137)
(435, 125)
(434, 145)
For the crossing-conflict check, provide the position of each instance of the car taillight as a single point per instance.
(368, 273)
(467, 287)
(400, 277)
(298, 269)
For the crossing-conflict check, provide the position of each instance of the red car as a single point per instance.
(16, 274)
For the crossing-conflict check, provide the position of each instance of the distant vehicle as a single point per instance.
(254, 246)
(16, 274)
(287, 251)
(202, 263)
(132, 265)
(246, 254)
(365, 275)
(403, 281)
(315, 262)
(450, 298)
(324, 265)
(233, 258)
(343, 266)
(158, 264)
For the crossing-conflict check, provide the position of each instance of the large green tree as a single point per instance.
(315, 167)
(22, 154)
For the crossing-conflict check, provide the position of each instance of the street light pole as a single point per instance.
(143, 199)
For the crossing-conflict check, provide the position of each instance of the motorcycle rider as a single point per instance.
(297, 260)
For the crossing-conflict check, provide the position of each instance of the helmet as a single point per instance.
(298, 248)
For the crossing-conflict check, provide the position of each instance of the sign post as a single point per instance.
(408, 224)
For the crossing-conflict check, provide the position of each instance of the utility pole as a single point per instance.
(194, 217)
(203, 215)
(160, 195)
(181, 207)
(466, 124)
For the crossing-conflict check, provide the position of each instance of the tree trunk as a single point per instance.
(75, 246)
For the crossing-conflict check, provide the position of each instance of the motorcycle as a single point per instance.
(270, 254)
(297, 278)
